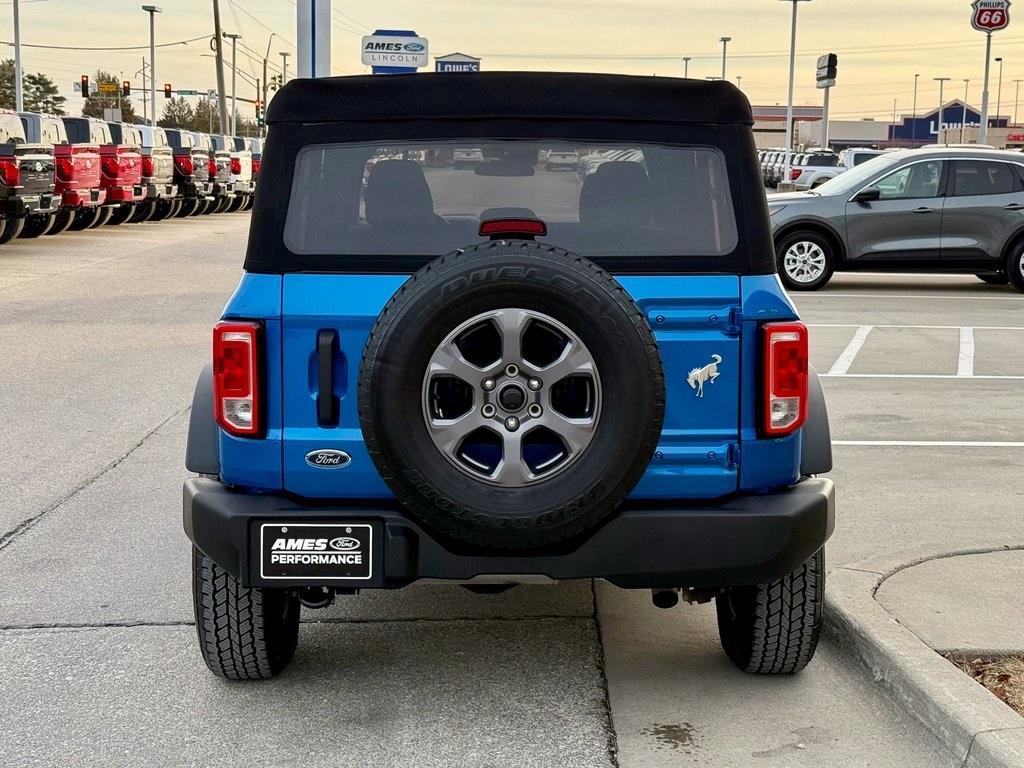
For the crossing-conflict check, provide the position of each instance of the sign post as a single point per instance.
(826, 78)
(989, 16)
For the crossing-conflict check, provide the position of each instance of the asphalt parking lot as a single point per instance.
(102, 340)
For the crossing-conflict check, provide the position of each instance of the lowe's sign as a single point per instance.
(925, 129)
(391, 51)
(456, 62)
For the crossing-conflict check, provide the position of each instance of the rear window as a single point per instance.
(411, 199)
(823, 161)
(11, 130)
(179, 139)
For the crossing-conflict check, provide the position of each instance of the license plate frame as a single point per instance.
(316, 552)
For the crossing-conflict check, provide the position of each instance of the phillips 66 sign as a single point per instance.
(990, 15)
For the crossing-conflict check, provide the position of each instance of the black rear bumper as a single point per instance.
(743, 540)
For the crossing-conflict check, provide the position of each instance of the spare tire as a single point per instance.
(511, 394)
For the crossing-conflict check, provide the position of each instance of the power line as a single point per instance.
(236, 4)
(112, 48)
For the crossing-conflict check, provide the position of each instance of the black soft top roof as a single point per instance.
(540, 95)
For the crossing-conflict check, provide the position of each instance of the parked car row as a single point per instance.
(810, 169)
(60, 173)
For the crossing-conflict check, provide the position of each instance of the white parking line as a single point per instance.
(965, 362)
(931, 297)
(930, 443)
(845, 360)
(921, 327)
(916, 376)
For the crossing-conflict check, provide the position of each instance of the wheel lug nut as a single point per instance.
(488, 411)
(534, 384)
(511, 370)
(511, 423)
(488, 385)
(535, 410)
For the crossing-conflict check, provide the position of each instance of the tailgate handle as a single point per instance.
(326, 401)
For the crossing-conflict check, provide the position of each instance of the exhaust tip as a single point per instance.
(316, 597)
(665, 598)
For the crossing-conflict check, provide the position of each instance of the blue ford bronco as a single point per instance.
(497, 372)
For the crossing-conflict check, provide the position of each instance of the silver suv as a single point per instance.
(927, 210)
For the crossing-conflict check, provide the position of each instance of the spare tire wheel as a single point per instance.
(511, 394)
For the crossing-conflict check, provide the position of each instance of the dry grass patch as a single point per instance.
(1003, 676)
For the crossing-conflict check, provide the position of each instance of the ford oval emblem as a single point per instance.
(345, 544)
(327, 458)
(414, 47)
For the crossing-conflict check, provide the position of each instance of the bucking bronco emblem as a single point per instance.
(700, 376)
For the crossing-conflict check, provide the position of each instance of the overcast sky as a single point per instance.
(881, 43)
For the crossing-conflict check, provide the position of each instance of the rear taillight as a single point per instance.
(236, 377)
(785, 378)
(110, 167)
(211, 168)
(236, 165)
(147, 166)
(65, 169)
(794, 174)
(10, 173)
(184, 164)
(256, 166)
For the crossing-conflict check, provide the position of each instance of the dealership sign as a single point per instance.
(990, 15)
(390, 49)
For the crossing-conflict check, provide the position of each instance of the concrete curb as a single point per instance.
(977, 729)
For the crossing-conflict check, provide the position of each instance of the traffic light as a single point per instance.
(167, 90)
(85, 86)
(126, 88)
(259, 113)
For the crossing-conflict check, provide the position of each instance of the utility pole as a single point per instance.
(913, 122)
(1016, 101)
(266, 56)
(999, 89)
(938, 127)
(725, 45)
(234, 78)
(983, 133)
(219, 50)
(789, 104)
(19, 101)
(145, 117)
(152, 10)
(284, 67)
(686, 66)
(963, 120)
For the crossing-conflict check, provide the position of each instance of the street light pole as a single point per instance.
(983, 133)
(963, 120)
(264, 99)
(725, 46)
(233, 37)
(686, 66)
(19, 102)
(938, 126)
(999, 88)
(284, 66)
(913, 122)
(789, 103)
(1016, 101)
(152, 10)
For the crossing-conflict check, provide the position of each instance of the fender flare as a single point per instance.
(816, 445)
(202, 451)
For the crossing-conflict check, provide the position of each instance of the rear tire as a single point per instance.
(1015, 267)
(187, 208)
(12, 228)
(61, 221)
(806, 261)
(121, 215)
(37, 224)
(249, 199)
(244, 634)
(236, 203)
(143, 212)
(102, 217)
(84, 218)
(772, 629)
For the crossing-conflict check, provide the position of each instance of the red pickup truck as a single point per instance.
(120, 171)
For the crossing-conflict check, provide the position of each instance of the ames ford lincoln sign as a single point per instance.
(394, 51)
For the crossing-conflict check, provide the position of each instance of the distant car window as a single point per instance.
(860, 157)
(159, 137)
(99, 133)
(979, 177)
(52, 132)
(822, 160)
(912, 181)
(11, 130)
